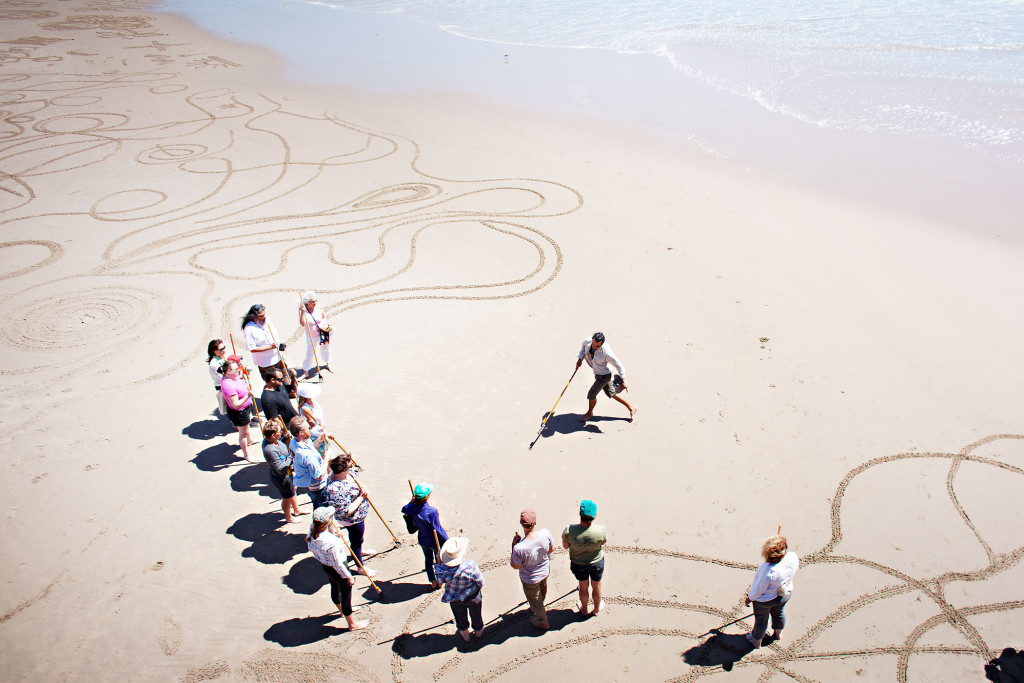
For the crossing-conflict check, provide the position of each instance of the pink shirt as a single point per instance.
(237, 388)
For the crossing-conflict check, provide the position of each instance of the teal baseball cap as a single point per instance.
(422, 490)
(588, 508)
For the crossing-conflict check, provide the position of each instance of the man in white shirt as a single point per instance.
(598, 355)
(260, 335)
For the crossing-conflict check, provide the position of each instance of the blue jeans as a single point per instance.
(319, 498)
(429, 558)
(776, 608)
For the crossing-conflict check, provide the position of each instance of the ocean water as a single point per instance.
(914, 103)
(949, 69)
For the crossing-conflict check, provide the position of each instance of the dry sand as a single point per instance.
(846, 372)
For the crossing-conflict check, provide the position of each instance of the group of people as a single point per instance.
(296, 446)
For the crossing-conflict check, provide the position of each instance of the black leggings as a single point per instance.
(341, 592)
(355, 539)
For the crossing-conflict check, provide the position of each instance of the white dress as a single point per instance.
(312, 332)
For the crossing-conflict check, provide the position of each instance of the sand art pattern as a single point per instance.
(715, 645)
(219, 187)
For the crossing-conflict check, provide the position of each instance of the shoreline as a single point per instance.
(937, 179)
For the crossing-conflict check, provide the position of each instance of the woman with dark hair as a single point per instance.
(239, 399)
(771, 589)
(329, 550)
(261, 340)
(348, 499)
(217, 353)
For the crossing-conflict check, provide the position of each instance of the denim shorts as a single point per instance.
(584, 572)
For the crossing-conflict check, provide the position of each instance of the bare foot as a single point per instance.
(369, 551)
(777, 635)
(300, 513)
(358, 625)
(366, 571)
(586, 417)
(291, 521)
(465, 635)
(536, 622)
(435, 585)
(597, 609)
(479, 634)
(580, 607)
(328, 368)
(632, 414)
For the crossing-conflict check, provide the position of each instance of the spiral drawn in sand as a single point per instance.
(84, 318)
(780, 660)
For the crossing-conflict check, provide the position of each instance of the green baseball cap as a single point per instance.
(422, 490)
(588, 508)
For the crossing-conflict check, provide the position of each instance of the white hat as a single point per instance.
(308, 296)
(453, 550)
(321, 515)
(309, 390)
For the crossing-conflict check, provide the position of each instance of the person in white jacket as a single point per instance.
(598, 356)
(771, 589)
(316, 331)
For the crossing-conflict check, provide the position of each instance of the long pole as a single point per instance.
(551, 412)
(395, 538)
(245, 373)
(303, 311)
(365, 573)
(284, 364)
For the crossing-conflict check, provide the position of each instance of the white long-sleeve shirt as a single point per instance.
(329, 550)
(601, 358)
(769, 577)
(257, 335)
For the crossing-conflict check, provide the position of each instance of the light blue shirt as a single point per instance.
(310, 468)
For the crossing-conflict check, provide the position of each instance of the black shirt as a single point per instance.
(276, 403)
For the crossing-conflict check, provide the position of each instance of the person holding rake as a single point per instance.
(348, 498)
(422, 519)
(598, 356)
(329, 551)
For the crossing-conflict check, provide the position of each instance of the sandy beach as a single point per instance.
(842, 370)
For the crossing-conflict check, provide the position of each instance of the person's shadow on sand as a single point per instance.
(257, 478)
(270, 544)
(567, 423)
(204, 430)
(721, 649)
(392, 592)
(296, 632)
(216, 458)
(305, 576)
(1007, 667)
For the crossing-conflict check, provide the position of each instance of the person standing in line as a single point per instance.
(771, 589)
(585, 542)
(348, 498)
(239, 399)
(318, 331)
(463, 584)
(259, 339)
(277, 455)
(329, 551)
(274, 399)
(422, 519)
(217, 352)
(598, 355)
(531, 556)
(310, 467)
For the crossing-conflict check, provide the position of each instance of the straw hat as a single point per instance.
(453, 550)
